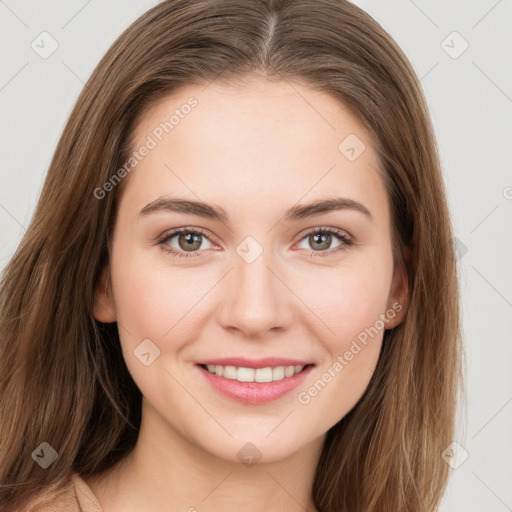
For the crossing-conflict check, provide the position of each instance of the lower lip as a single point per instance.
(255, 392)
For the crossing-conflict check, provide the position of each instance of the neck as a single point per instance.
(166, 472)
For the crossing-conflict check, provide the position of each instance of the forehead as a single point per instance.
(262, 141)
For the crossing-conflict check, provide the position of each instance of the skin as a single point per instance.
(256, 150)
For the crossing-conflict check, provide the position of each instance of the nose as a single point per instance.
(255, 298)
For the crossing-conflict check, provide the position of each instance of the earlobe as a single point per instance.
(104, 308)
(399, 293)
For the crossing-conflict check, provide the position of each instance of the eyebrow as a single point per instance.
(216, 212)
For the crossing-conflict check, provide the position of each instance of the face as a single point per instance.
(255, 279)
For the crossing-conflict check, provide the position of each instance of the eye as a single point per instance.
(187, 244)
(320, 239)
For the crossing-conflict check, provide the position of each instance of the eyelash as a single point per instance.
(346, 241)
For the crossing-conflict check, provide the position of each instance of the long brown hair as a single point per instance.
(63, 379)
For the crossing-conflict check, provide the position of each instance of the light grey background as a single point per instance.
(470, 97)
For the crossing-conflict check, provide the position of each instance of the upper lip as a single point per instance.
(263, 362)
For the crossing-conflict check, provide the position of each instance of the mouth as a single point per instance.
(245, 374)
(253, 383)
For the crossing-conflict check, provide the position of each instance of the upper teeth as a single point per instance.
(254, 375)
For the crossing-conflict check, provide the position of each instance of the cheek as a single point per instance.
(158, 314)
(350, 354)
(346, 301)
(151, 301)
(349, 303)
(167, 307)
(355, 315)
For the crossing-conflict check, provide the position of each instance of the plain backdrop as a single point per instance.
(461, 50)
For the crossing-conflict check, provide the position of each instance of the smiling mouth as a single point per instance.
(257, 375)
(254, 386)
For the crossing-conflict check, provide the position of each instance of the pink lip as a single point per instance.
(254, 392)
(255, 363)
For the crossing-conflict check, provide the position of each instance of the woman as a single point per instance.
(238, 288)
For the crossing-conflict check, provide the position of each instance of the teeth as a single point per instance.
(245, 374)
(263, 375)
(254, 375)
(289, 371)
(278, 373)
(229, 372)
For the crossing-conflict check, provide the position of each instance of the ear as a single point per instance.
(398, 293)
(104, 307)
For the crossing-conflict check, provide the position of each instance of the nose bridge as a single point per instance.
(256, 300)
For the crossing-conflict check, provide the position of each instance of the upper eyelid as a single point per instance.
(333, 230)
